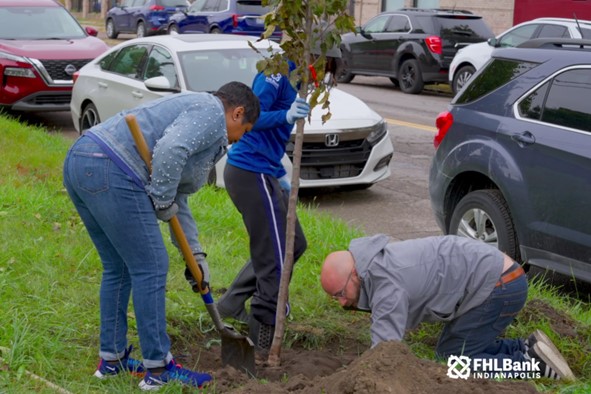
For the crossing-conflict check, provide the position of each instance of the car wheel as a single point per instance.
(410, 78)
(173, 29)
(110, 29)
(462, 77)
(140, 30)
(394, 81)
(215, 30)
(89, 118)
(484, 215)
(343, 73)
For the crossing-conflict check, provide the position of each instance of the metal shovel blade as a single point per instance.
(237, 351)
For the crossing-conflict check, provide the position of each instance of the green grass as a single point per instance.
(50, 275)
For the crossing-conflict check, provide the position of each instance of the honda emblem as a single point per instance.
(331, 140)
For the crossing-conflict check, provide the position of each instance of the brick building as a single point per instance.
(498, 14)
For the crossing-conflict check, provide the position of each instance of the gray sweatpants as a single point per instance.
(263, 205)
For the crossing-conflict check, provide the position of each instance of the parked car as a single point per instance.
(352, 148)
(411, 46)
(244, 17)
(41, 46)
(142, 17)
(473, 57)
(514, 156)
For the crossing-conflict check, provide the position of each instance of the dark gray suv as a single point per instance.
(513, 160)
(411, 46)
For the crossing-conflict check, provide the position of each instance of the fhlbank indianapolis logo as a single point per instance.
(463, 367)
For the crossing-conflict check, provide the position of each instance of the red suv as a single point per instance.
(41, 47)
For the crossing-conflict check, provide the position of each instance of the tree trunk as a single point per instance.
(104, 8)
(68, 5)
(85, 8)
(274, 359)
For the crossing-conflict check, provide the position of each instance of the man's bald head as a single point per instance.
(335, 271)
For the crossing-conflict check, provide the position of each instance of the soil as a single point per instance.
(347, 366)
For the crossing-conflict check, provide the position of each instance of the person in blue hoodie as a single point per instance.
(470, 286)
(259, 186)
(120, 203)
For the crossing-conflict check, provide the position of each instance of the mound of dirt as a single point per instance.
(390, 367)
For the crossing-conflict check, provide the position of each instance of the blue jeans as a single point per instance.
(122, 224)
(475, 334)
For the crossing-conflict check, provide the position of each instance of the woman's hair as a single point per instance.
(236, 94)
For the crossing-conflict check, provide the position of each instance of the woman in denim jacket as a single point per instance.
(120, 202)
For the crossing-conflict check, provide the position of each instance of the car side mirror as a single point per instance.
(160, 84)
(365, 34)
(91, 31)
(493, 42)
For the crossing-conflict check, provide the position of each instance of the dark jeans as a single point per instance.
(475, 334)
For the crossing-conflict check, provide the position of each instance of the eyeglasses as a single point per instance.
(342, 293)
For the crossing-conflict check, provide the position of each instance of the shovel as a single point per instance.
(237, 350)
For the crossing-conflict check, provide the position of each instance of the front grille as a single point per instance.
(56, 68)
(346, 160)
(51, 99)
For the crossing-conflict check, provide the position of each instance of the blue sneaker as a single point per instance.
(126, 363)
(174, 372)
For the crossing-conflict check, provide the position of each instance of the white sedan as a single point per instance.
(353, 148)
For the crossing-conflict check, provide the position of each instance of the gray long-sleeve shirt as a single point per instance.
(424, 280)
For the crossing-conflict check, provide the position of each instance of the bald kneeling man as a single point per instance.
(472, 287)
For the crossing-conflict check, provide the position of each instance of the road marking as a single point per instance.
(413, 125)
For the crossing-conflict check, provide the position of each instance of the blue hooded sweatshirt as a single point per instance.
(262, 149)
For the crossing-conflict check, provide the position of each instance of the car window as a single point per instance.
(173, 3)
(585, 33)
(251, 7)
(398, 24)
(497, 73)
(38, 23)
(553, 31)
(127, 3)
(210, 5)
(531, 106)
(138, 3)
(568, 100)
(160, 63)
(377, 24)
(518, 35)
(208, 70)
(197, 6)
(128, 61)
(106, 61)
(454, 26)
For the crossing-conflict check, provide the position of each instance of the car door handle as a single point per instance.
(524, 139)
(103, 85)
(137, 94)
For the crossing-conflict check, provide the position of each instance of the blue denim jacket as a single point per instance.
(186, 134)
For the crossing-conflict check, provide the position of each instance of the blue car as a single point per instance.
(142, 17)
(244, 17)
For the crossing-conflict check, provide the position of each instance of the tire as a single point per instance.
(394, 82)
(485, 215)
(111, 30)
(344, 75)
(173, 29)
(461, 77)
(140, 30)
(410, 77)
(215, 30)
(90, 117)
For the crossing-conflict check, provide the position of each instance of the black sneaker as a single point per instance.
(552, 363)
(261, 334)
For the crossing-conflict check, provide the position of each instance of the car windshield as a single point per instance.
(208, 70)
(38, 23)
(251, 7)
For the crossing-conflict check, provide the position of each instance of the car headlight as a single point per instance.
(379, 130)
(16, 66)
